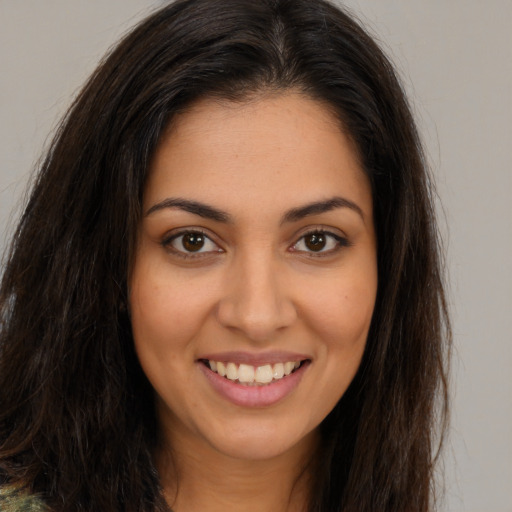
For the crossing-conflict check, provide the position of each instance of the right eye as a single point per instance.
(190, 243)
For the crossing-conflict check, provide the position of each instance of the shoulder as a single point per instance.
(13, 500)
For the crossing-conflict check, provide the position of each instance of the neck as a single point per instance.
(198, 478)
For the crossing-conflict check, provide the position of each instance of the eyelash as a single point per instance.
(339, 241)
(167, 244)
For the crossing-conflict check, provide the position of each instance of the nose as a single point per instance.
(256, 300)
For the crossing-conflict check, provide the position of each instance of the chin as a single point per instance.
(261, 443)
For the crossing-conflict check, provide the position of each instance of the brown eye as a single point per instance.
(320, 243)
(193, 242)
(315, 241)
(190, 243)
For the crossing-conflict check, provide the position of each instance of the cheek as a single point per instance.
(344, 325)
(342, 312)
(338, 316)
(165, 311)
(163, 323)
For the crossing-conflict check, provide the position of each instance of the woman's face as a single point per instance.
(256, 254)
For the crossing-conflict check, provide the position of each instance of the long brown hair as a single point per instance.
(77, 423)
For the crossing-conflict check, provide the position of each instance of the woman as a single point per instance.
(225, 291)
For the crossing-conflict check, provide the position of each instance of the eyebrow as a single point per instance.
(318, 207)
(195, 207)
(293, 215)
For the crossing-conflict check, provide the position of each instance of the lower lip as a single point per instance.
(254, 396)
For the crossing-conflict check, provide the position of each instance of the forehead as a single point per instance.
(285, 146)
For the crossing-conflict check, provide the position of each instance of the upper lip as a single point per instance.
(255, 359)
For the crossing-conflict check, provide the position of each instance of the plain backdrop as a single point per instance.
(455, 59)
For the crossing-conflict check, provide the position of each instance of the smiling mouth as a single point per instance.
(249, 375)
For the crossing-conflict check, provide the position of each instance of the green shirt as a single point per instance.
(12, 500)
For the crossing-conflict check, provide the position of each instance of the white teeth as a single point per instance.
(263, 374)
(221, 369)
(288, 367)
(278, 371)
(248, 374)
(231, 371)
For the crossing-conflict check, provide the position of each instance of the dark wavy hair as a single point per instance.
(77, 419)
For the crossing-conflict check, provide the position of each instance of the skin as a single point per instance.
(255, 286)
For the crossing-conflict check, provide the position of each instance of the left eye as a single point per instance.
(318, 242)
(192, 242)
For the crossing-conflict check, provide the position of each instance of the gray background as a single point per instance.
(455, 57)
